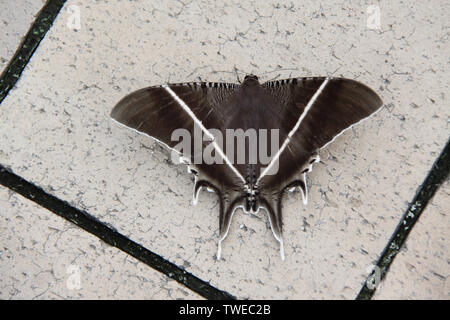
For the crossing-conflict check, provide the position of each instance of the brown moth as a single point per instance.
(306, 113)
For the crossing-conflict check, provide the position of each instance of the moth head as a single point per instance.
(251, 79)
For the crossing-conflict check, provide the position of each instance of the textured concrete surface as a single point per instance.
(56, 132)
(42, 256)
(422, 268)
(15, 20)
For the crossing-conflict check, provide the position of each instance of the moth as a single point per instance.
(306, 113)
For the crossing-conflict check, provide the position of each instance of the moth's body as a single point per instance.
(253, 99)
(307, 113)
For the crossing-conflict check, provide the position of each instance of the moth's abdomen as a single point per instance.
(251, 201)
(252, 192)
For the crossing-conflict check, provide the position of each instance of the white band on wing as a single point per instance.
(206, 131)
(294, 129)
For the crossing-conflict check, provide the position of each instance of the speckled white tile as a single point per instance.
(42, 256)
(56, 131)
(422, 268)
(16, 18)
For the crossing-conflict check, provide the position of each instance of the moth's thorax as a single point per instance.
(250, 93)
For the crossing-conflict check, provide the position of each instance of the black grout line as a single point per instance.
(438, 174)
(31, 41)
(92, 225)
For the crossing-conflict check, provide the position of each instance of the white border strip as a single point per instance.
(147, 135)
(292, 132)
(280, 240)
(206, 131)
(219, 244)
(353, 125)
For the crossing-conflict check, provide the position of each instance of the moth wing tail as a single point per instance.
(230, 201)
(272, 205)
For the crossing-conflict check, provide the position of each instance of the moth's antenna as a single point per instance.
(237, 75)
(235, 72)
(274, 78)
(280, 69)
(332, 74)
